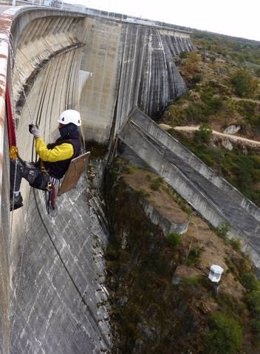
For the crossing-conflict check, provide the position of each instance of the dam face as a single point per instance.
(53, 298)
(128, 65)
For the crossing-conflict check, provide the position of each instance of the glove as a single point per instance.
(34, 130)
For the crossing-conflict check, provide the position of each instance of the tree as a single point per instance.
(245, 85)
(224, 335)
(203, 135)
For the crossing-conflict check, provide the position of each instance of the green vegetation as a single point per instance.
(236, 244)
(221, 77)
(202, 136)
(253, 301)
(240, 169)
(193, 256)
(224, 335)
(252, 284)
(222, 230)
(250, 281)
(174, 239)
(154, 308)
(239, 50)
(223, 83)
(244, 83)
(156, 183)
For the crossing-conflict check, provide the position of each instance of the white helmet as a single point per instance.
(70, 116)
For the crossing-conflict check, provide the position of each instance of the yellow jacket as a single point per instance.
(58, 153)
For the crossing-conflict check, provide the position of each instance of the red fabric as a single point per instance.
(10, 120)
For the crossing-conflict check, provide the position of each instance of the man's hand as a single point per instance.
(34, 130)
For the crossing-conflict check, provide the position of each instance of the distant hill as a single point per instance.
(223, 94)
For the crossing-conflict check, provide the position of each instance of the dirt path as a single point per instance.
(245, 99)
(231, 137)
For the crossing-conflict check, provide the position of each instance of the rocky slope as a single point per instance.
(161, 298)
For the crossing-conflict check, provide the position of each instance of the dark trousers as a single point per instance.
(30, 171)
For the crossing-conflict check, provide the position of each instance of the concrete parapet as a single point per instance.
(154, 156)
(150, 127)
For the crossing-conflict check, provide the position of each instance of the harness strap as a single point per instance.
(43, 169)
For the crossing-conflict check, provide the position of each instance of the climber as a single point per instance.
(54, 159)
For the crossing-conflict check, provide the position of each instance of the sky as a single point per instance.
(238, 18)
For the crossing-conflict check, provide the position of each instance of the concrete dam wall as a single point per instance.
(53, 298)
(129, 65)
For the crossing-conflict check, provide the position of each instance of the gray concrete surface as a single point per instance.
(130, 64)
(57, 273)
